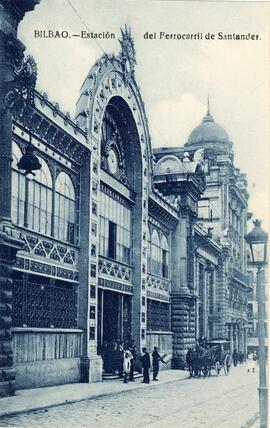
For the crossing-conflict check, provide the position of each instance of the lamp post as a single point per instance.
(257, 240)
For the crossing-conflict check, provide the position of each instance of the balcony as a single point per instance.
(238, 276)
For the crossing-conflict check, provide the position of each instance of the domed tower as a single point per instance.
(208, 132)
(223, 209)
(213, 208)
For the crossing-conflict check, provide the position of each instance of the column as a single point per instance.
(183, 303)
(10, 50)
(84, 271)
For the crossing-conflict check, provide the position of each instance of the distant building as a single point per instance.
(252, 310)
(222, 210)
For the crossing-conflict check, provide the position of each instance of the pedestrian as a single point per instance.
(119, 358)
(145, 365)
(190, 357)
(127, 358)
(250, 362)
(133, 351)
(235, 357)
(156, 359)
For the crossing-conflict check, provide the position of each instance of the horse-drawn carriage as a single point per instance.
(214, 356)
(221, 358)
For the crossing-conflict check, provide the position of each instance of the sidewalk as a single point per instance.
(40, 398)
(253, 423)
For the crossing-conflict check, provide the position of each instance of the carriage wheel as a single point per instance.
(217, 366)
(227, 365)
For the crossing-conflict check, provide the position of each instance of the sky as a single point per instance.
(174, 76)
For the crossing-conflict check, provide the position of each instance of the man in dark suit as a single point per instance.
(145, 365)
(156, 359)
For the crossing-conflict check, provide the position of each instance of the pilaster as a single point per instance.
(14, 78)
(183, 327)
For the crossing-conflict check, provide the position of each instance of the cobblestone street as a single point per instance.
(215, 402)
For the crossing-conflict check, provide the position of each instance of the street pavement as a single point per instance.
(212, 402)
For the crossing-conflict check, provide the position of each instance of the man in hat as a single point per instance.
(145, 365)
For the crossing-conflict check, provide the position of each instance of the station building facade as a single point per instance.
(106, 241)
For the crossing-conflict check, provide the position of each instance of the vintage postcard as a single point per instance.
(134, 213)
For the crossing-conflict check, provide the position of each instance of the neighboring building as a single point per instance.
(222, 210)
(252, 309)
(109, 244)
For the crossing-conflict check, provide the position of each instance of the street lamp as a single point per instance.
(257, 240)
(29, 161)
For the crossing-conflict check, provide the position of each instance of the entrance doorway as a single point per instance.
(114, 318)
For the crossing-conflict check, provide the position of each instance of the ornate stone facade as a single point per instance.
(109, 244)
(222, 214)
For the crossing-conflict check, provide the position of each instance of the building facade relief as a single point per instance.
(110, 242)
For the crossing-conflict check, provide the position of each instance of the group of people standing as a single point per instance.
(129, 361)
(122, 357)
(146, 364)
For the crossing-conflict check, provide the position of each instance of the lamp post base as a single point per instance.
(263, 403)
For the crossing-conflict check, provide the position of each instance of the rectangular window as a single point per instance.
(70, 232)
(112, 240)
(115, 229)
(165, 264)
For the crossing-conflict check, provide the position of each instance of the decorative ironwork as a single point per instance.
(112, 285)
(19, 92)
(41, 304)
(237, 299)
(158, 283)
(43, 268)
(158, 316)
(158, 296)
(113, 269)
(49, 250)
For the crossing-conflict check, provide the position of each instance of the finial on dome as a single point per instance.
(208, 117)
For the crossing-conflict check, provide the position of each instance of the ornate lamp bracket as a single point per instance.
(19, 93)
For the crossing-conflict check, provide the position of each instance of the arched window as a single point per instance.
(18, 188)
(155, 253)
(164, 257)
(64, 208)
(40, 200)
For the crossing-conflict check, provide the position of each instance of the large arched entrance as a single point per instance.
(111, 109)
(120, 183)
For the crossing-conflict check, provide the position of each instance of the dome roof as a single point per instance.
(208, 130)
